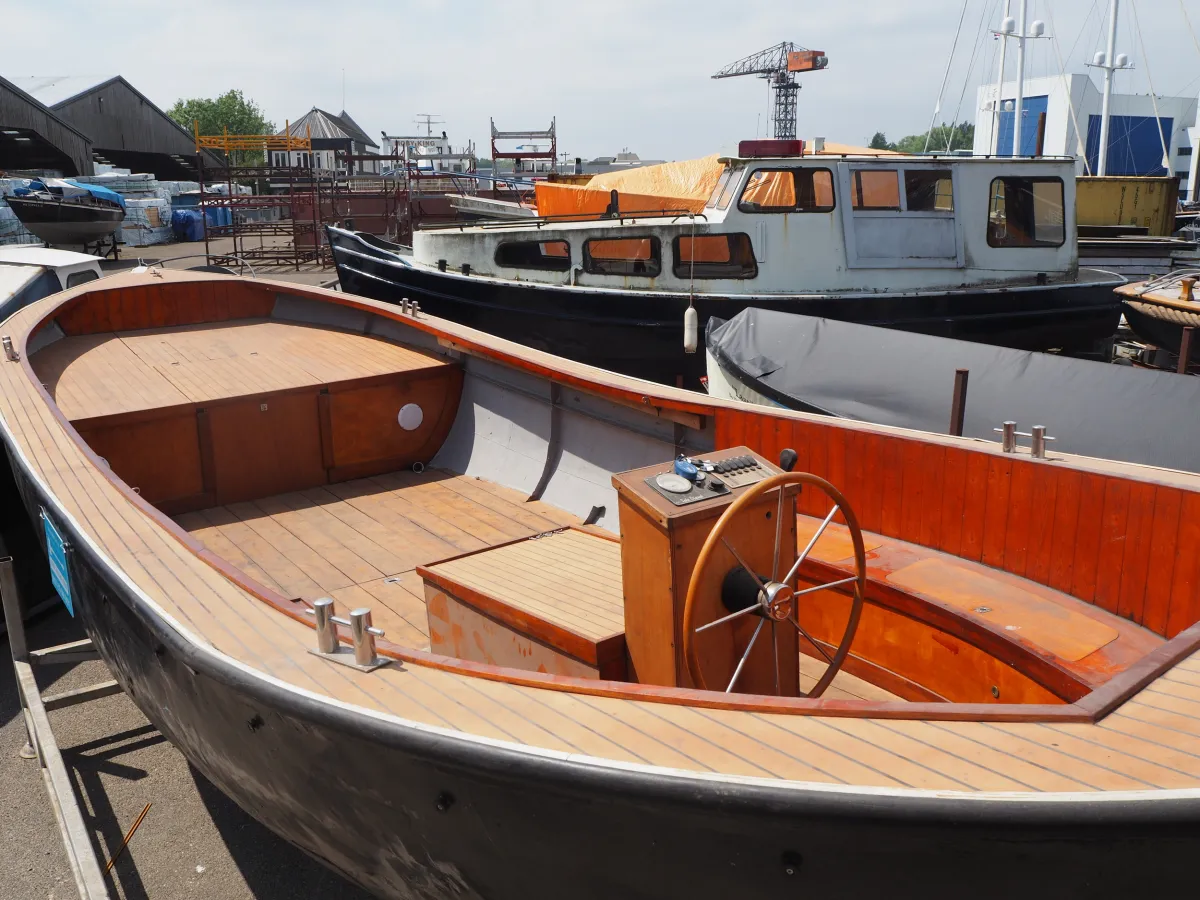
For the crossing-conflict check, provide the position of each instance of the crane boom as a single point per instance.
(764, 62)
(778, 64)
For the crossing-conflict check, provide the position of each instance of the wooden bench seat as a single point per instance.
(551, 603)
(1030, 631)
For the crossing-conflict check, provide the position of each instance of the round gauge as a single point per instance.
(676, 484)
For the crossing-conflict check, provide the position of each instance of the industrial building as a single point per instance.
(36, 138)
(125, 128)
(1048, 126)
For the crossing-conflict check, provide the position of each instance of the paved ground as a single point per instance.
(194, 842)
(308, 273)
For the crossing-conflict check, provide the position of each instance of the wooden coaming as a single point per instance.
(1137, 733)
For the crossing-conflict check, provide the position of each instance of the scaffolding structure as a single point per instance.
(283, 203)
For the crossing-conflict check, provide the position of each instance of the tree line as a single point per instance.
(940, 139)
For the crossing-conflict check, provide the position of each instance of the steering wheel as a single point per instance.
(776, 598)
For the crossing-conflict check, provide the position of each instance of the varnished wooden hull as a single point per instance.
(408, 811)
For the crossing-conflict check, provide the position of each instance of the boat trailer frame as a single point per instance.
(40, 743)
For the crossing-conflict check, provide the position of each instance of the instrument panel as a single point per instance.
(694, 479)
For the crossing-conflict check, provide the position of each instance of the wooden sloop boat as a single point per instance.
(1018, 704)
(1158, 310)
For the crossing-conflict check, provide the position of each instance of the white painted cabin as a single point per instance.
(803, 225)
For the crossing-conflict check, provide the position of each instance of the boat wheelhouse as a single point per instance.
(977, 248)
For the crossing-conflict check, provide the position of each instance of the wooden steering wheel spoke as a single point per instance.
(776, 599)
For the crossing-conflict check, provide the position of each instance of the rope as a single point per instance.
(1153, 97)
(953, 49)
(980, 31)
(1080, 146)
(1191, 30)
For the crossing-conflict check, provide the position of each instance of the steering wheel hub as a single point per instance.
(775, 599)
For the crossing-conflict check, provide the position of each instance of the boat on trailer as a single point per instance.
(982, 249)
(461, 618)
(67, 213)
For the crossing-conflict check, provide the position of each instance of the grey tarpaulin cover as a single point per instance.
(897, 378)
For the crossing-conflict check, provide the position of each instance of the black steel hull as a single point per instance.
(410, 812)
(641, 334)
(61, 222)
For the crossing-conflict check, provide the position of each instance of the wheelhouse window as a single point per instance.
(1026, 212)
(788, 190)
(719, 189)
(551, 256)
(77, 278)
(928, 190)
(715, 256)
(875, 189)
(623, 256)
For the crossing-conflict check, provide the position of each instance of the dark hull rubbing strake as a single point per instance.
(850, 371)
(963, 702)
(640, 333)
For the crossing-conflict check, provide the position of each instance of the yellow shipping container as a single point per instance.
(1147, 202)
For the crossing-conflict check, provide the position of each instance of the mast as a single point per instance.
(1109, 67)
(1000, 82)
(1020, 77)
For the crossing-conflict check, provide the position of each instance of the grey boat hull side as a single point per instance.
(410, 812)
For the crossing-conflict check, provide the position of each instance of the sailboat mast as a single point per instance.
(1000, 82)
(1020, 77)
(1109, 67)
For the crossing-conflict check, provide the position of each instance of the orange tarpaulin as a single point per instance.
(670, 186)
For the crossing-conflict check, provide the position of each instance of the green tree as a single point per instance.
(953, 136)
(880, 142)
(230, 110)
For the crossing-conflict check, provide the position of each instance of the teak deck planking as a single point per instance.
(1148, 742)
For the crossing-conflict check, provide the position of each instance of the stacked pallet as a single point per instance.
(11, 229)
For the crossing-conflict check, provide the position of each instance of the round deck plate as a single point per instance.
(676, 484)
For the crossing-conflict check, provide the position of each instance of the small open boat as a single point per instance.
(454, 617)
(1158, 310)
(66, 213)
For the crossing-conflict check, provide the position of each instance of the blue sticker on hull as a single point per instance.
(56, 553)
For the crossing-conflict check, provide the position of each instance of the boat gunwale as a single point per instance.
(1090, 708)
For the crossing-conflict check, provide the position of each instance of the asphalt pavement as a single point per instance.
(193, 843)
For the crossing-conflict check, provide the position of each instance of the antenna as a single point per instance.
(428, 121)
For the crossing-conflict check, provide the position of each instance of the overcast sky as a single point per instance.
(616, 73)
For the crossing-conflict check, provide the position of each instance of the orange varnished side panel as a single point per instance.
(456, 629)
(258, 452)
(1066, 531)
(1135, 562)
(1113, 523)
(160, 457)
(1185, 579)
(939, 662)
(1040, 523)
(1087, 537)
(1163, 557)
(364, 421)
(954, 488)
(995, 522)
(149, 306)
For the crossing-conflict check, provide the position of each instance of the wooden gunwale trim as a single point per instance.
(1103, 700)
